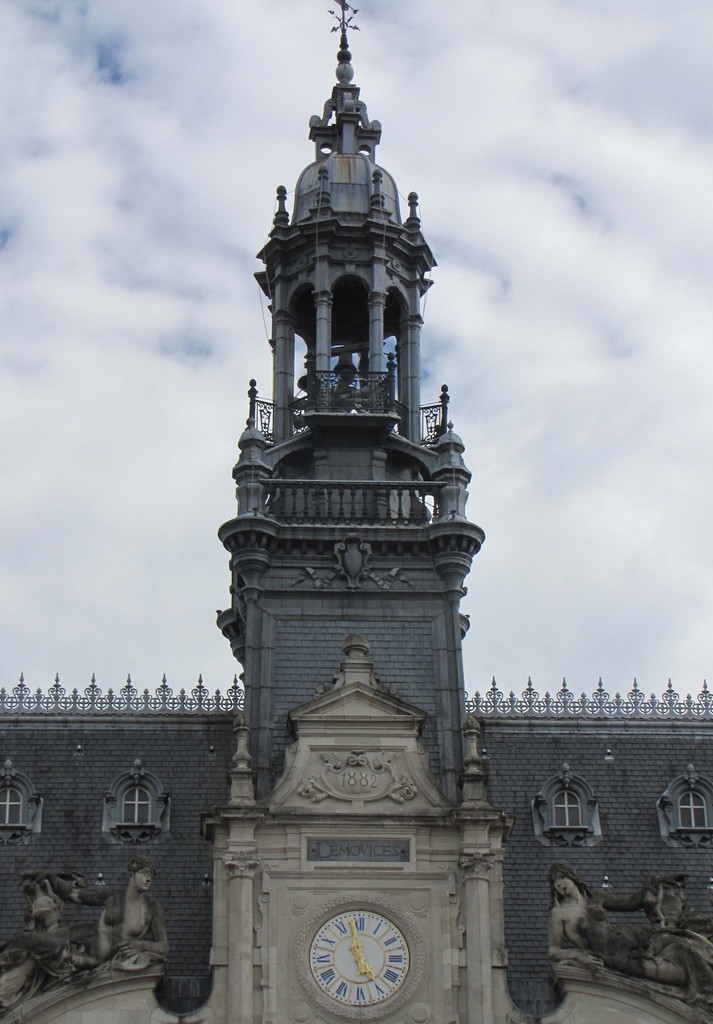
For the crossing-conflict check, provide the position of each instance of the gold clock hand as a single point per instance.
(356, 945)
(357, 952)
(364, 968)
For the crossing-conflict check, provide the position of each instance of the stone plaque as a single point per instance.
(374, 850)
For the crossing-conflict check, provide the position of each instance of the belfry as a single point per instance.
(351, 494)
(348, 555)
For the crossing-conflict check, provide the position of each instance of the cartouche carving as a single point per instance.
(358, 776)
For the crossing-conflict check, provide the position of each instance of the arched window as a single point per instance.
(565, 812)
(685, 810)
(692, 811)
(10, 806)
(136, 808)
(350, 324)
(566, 809)
(20, 806)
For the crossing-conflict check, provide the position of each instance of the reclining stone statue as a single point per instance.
(42, 953)
(130, 932)
(674, 948)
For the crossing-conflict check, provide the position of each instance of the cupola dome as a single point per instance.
(344, 176)
(347, 183)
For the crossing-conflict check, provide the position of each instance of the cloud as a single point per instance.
(563, 160)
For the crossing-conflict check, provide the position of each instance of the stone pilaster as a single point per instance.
(240, 864)
(477, 868)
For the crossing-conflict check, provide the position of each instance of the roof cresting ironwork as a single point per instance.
(600, 705)
(21, 700)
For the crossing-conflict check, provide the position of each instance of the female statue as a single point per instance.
(581, 932)
(132, 922)
(131, 932)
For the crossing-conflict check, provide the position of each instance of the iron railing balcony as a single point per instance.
(434, 418)
(330, 392)
(349, 391)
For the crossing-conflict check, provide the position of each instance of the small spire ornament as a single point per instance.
(345, 20)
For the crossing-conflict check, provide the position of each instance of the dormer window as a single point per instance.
(565, 812)
(692, 811)
(10, 807)
(566, 809)
(136, 808)
(685, 810)
(20, 806)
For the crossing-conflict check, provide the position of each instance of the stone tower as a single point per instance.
(358, 865)
(351, 494)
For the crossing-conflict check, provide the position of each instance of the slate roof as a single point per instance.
(73, 784)
(523, 754)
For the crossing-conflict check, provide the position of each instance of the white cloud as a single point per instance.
(563, 158)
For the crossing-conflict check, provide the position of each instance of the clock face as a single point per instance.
(359, 958)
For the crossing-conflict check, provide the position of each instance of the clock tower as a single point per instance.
(357, 862)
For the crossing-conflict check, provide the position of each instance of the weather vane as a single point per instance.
(345, 20)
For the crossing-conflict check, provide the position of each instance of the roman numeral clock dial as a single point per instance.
(359, 958)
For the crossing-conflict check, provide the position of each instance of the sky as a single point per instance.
(563, 155)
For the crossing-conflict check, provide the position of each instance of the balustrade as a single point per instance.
(349, 502)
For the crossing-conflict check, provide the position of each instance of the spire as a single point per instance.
(344, 126)
(345, 21)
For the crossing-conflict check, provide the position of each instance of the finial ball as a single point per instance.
(345, 73)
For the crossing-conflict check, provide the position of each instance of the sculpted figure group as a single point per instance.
(129, 934)
(673, 948)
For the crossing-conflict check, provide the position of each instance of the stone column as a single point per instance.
(240, 864)
(283, 372)
(323, 302)
(377, 301)
(413, 382)
(410, 374)
(477, 868)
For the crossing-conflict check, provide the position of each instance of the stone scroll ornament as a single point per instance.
(358, 776)
(671, 945)
(130, 933)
